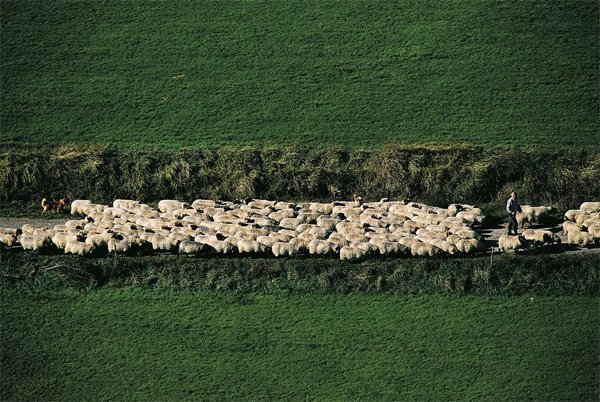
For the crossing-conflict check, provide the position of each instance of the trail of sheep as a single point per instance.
(490, 235)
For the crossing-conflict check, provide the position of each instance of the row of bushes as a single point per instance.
(435, 175)
(559, 274)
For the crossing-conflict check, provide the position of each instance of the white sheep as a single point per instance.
(323, 209)
(190, 247)
(126, 204)
(322, 247)
(386, 247)
(421, 249)
(572, 214)
(539, 236)
(468, 246)
(590, 206)
(446, 246)
(171, 205)
(200, 204)
(579, 237)
(506, 243)
(8, 239)
(119, 244)
(77, 206)
(35, 242)
(352, 253)
(77, 247)
(290, 223)
(532, 215)
(250, 246)
(281, 249)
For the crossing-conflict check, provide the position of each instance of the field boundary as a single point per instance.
(547, 274)
(433, 175)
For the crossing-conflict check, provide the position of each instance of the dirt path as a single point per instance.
(46, 223)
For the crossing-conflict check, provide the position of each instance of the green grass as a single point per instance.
(139, 344)
(350, 73)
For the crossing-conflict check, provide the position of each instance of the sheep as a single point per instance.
(594, 231)
(445, 246)
(27, 229)
(323, 209)
(162, 243)
(590, 206)
(8, 239)
(412, 226)
(338, 239)
(357, 238)
(126, 204)
(281, 249)
(171, 205)
(322, 247)
(327, 223)
(372, 222)
(290, 223)
(35, 242)
(506, 243)
(261, 204)
(569, 226)
(119, 244)
(307, 217)
(77, 206)
(572, 214)
(347, 228)
(352, 253)
(582, 217)
(77, 247)
(387, 247)
(319, 232)
(249, 246)
(466, 233)
(472, 218)
(281, 214)
(407, 241)
(453, 222)
(191, 247)
(539, 236)
(424, 233)
(97, 240)
(420, 249)
(281, 205)
(60, 239)
(437, 229)
(580, 238)
(468, 246)
(200, 205)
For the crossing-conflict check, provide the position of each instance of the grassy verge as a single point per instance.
(131, 344)
(436, 175)
(558, 274)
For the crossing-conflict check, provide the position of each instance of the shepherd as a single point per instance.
(512, 207)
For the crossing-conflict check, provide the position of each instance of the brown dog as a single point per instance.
(60, 205)
(49, 205)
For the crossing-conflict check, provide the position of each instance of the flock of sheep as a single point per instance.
(582, 226)
(351, 230)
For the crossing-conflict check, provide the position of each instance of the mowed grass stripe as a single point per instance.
(351, 73)
(143, 344)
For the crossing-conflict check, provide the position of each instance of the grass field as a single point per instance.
(139, 344)
(350, 73)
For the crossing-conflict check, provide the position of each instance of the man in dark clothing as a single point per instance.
(512, 207)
